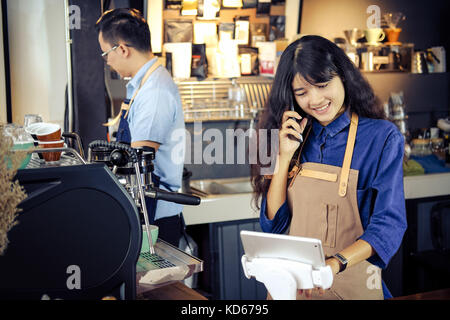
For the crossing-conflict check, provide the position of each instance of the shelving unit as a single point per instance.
(227, 15)
(426, 95)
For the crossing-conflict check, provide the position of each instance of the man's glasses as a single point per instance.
(105, 54)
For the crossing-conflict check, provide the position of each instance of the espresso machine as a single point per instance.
(133, 167)
(80, 229)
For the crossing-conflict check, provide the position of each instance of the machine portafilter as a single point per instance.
(133, 167)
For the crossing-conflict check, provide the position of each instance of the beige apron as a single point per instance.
(323, 203)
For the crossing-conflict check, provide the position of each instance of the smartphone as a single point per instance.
(298, 121)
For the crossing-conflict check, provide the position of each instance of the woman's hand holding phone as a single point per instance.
(290, 135)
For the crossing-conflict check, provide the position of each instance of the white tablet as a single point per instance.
(269, 245)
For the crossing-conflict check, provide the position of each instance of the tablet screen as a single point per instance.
(269, 245)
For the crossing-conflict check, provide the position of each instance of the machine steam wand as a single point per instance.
(144, 207)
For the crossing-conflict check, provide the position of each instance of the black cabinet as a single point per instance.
(417, 275)
(221, 250)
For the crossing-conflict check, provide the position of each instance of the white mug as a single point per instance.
(374, 35)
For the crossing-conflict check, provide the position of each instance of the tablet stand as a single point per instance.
(283, 277)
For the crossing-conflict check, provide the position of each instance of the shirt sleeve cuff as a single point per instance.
(381, 257)
(279, 223)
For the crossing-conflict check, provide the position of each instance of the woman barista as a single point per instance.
(344, 183)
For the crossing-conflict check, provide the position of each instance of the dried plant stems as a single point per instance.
(11, 192)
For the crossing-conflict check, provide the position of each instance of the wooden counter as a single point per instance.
(173, 291)
(443, 294)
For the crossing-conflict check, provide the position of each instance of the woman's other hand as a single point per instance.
(308, 292)
(334, 265)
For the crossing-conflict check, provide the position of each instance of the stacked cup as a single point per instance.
(49, 136)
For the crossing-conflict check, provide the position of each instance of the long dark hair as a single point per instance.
(317, 60)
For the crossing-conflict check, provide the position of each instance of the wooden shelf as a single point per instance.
(227, 15)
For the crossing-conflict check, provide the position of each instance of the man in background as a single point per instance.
(152, 114)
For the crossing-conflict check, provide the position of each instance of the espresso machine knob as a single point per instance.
(149, 152)
(119, 158)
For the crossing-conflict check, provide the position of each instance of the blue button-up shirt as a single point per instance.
(378, 156)
(157, 115)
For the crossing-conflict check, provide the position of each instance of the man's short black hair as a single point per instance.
(127, 25)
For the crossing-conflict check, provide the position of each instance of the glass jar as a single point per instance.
(22, 142)
(420, 147)
(438, 148)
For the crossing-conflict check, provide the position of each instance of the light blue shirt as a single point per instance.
(156, 115)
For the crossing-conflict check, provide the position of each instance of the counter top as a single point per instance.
(229, 207)
(172, 291)
(427, 185)
(221, 208)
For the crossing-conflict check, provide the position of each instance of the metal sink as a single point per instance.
(221, 186)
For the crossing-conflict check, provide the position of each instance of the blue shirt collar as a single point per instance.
(136, 80)
(334, 127)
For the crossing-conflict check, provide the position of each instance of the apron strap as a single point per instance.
(345, 171)
(127, 107)
(297, 161)
(297, 167)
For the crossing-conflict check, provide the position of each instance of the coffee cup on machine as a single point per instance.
(32, 129)
(49, 136)
(48, 132)
(374, 35)
(54, 155)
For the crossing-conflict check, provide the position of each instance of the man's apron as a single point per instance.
(124, 136)
(323, 203)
